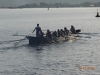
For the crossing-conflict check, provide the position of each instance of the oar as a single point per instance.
(20, 35)
(16, 43)
(8, 41)
(87, 33)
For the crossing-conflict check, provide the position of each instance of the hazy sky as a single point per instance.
(21, 2)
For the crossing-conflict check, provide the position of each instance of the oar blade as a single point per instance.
(16, 44)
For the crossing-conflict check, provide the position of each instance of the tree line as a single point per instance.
(60, 5)
(45, 5)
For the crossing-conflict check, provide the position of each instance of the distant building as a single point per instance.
(91, 5)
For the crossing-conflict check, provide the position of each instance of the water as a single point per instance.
(62, 58)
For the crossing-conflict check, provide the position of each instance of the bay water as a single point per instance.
(80, 56)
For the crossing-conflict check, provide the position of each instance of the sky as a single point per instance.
(5, 3)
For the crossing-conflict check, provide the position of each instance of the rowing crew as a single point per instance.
(58, 33)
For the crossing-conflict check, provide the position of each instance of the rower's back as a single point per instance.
(73, 31)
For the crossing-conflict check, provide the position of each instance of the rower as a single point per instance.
(66, 31)
(61, 33)
(72, 29)
(54, 33)
(41, 34)
(38, 30)
(58, 33)
(48, 34)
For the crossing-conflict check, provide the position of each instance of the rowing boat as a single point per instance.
(43, 40)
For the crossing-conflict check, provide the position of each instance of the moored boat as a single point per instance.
(97, 14)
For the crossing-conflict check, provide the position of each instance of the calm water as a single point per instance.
(63, 58)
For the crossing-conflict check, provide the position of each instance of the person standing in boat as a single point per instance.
(38, 30)
(72, 29)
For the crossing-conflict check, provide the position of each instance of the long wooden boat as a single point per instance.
(43, 40)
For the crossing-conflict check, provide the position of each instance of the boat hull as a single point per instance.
(97, 16)
(44, 40)
(37, 40)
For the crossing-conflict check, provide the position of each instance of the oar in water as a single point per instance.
(88, 33)
(1, 42)
(19, 35)
(78, 30)
(16, 43)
